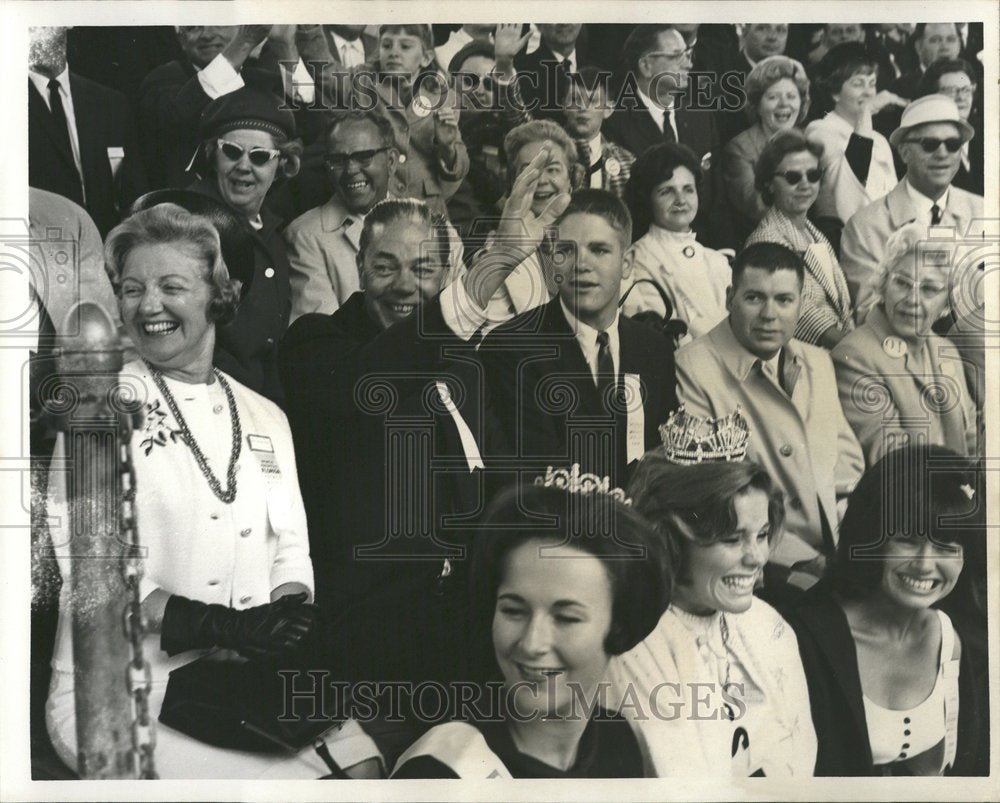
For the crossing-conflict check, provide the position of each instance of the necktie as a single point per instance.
(583, 152)
(59, 114)
(668, 129)
(935, 215)
(605, 364)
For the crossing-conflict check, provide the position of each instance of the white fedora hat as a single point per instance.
(931, 109)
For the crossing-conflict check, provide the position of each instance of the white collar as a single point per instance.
(340, 41)
(41, 82)
(922, 203)
(652, 104)
(586, 337)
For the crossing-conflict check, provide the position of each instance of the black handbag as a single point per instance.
(673, 328)
(247, 705)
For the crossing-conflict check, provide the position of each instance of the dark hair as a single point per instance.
(477, 47)
(389, 210)
(838, 64)
(912, 492)
(776, 149)
(386, 133)
(640, 41)
(769, 256)
(605, 204)
(697, 503)
(932, 75)
(656, 165)
(594, 523)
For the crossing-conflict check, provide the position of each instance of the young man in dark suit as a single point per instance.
(658, 103)
(543, 74)
(574, 381)
(81, 140)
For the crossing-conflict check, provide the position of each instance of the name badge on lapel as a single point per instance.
(635, 439)
(262, 449)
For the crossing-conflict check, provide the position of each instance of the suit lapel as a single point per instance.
(570, 362)
(41, 119)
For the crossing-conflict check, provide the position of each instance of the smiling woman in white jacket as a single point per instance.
(217, 499)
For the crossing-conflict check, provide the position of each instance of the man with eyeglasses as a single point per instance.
(361, 158)
(928, 140)
(656, 104)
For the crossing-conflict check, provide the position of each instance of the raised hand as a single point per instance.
(446, 127)
(519, 234)
(508, 42)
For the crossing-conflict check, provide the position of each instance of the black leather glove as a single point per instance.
(266, 630)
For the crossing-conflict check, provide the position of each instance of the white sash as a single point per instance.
(461, 748)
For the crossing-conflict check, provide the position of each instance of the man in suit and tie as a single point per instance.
(787, 392)
(929, 141)
(386, 409)
(81, 143)
(542, 75)
(656, 104)
(930, 41)
(574, 381)
(586, 105)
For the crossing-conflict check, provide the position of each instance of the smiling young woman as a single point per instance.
(560, 598)
(893, 689)
(719, 520)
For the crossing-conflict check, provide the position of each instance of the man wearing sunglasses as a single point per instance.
(929, 140)
(360, 160)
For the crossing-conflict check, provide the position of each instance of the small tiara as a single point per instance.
(574, 482)
(688, 439)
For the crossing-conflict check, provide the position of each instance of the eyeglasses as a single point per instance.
(928, 290)
(258, 156)
(793, 177)
(931, 144)
(672, 55)
(338, 161)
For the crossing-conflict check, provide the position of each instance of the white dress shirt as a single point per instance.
(586, 336)
(41, 83)
(923, 204)
(351, 54)
(661, 115)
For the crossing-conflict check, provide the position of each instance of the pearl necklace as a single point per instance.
(229, 494)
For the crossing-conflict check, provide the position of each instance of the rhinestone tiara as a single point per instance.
(688, 439)
(574, 482)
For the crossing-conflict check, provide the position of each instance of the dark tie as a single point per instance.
(668, 131)
(583, 152)
(605, 365)
(935, 215)
(59, 115)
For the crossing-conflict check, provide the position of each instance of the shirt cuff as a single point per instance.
(302, 81)
(461, 314)
(219, 78)
(350, 745)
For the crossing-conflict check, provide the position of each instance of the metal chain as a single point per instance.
(138, 675)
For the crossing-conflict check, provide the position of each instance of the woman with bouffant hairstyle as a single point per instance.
(719, 518)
